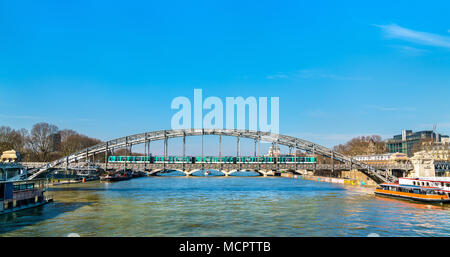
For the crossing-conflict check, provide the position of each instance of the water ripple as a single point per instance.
(218, 206)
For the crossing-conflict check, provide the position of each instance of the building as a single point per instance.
(55, 142)
(274, 151)
(372, 159)
(432, 163)
(383, 159)
(404, 142)
(10, 156)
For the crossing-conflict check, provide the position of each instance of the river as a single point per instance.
(224, 206)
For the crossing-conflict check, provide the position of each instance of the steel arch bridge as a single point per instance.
(378, 176)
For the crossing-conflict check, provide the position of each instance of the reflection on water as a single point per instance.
(219, 206)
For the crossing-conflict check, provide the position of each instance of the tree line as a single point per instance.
(370, 145)
(38, 144)
(363, 145)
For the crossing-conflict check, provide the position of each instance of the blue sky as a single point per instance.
(341, 68)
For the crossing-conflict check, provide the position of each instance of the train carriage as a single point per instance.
(210, 159)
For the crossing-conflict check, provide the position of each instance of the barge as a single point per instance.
(115, 177)
(17, 192)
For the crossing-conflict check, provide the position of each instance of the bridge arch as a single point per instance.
(378, 176)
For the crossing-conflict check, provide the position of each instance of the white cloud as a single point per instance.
(315, 74)
(27, 117)
(411, 50)
(390, 108)
(418, 37)
(312, 74)
(279, 75)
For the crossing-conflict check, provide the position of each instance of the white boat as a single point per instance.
(443, 183)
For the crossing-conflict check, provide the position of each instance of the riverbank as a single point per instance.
(345, 181)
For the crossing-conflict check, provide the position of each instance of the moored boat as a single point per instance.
(442, 183)
(115, 177)
(17, 192)
(412, 192)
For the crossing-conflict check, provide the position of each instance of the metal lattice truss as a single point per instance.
(295, 143)
(442, 166)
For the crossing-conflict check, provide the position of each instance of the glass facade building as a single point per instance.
(404, 142)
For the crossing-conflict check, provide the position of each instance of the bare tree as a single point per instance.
(77, 142)
(13, 139)
(363, 145)
(38, 146)
(66, 133)
(6, 142)
(41, 141)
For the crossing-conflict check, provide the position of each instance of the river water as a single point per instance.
(219, 206)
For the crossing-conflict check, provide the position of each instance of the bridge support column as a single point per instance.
(220, 146)
(315, 164)
(106, 156)
(238, 146)
(239, 149)
(220, 152)
(184, 150)
(259, 149)
(165, 151)
(145, 152)
(275, 146)
(263, 173)
(332, 161)
(184, 145)
(126, 147)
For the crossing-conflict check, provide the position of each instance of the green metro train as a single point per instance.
(210, 159)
